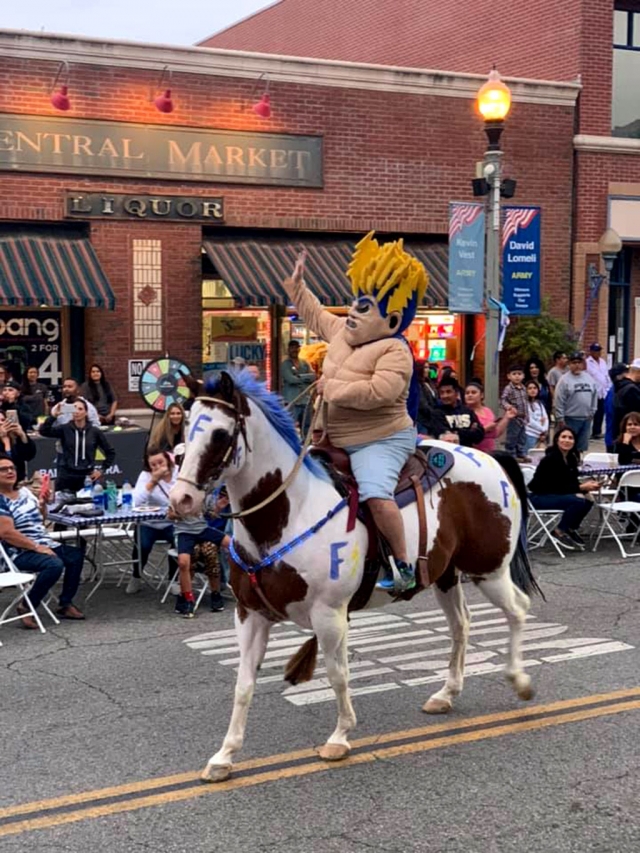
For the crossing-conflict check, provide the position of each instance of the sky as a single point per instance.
(155, 21)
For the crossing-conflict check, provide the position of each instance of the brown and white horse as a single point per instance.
(311, 565)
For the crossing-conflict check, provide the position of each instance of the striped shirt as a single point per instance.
(27, 519)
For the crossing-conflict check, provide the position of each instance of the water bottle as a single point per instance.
(86, 489)
(127, 496)
(112, 496)
(97, 495)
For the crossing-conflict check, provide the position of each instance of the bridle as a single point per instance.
(240, 428)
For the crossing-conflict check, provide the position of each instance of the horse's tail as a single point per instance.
(521, 572)
(302, 665)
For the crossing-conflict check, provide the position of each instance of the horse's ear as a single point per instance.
(226, 387)
(194, 385)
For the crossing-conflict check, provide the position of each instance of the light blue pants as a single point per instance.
(377, 465)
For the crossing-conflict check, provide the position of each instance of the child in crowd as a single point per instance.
(202, 532)
(515, 395)
(537, 426)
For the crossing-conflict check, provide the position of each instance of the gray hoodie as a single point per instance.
(576, 396)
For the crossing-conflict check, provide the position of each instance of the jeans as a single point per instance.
(68, 559)
(68, 482)
(575, 508)
(598, 418)
(516, 440)
(530, 442)
(148, 535)
(582, 429)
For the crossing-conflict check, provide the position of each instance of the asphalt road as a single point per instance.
(104, 726)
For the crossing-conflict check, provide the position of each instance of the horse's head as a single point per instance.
(216, 445)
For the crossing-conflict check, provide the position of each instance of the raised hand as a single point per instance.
(298, 270)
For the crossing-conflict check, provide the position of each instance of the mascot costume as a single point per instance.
(367, 376)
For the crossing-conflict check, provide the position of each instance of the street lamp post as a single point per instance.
(609, 247)
(494, 102)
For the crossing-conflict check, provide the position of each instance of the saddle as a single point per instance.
(421, 472)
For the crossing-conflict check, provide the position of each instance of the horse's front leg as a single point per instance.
(331, 628)
(451, 599)
(253, 635)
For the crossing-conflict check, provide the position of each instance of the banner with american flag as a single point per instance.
(521, 259)
(466, 257)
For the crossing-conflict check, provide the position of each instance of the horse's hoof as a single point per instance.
(216, 773)
(437, 706)
(526, 693)
(333, 751)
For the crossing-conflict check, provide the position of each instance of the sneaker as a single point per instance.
(188, 611)
(577, 539)
(564, 540)
(180, 603)
(217, 604)
(405, 581)
(134, 585)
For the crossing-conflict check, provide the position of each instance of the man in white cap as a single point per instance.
(598, 370)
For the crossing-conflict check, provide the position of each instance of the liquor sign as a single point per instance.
(32, 339)
(521, 259)
(153, 207)
(87, 147)
(466, 257)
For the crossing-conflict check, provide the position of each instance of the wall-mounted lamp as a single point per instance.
(163, 102)
(262, 108)
(60, 99)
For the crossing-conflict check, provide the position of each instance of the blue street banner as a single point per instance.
(521, 259)
(466, 257)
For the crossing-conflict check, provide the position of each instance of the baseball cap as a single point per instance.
(618, 369)
(239, 361)
(635, 364)
(595, 347)
(579, 356)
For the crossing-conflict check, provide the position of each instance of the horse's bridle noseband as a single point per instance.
(239, 428)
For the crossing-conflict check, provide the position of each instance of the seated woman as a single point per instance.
(99, 392)
(555, 485)
(169, 432)
(29, 545)
(152, 489)
(627, 445)
(493, 427)
(537, 426)
(14, 442)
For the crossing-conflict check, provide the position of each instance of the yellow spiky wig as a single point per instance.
(393, 277)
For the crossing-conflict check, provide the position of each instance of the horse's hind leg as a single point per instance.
(501, 591)
(332, 630)
(253, 635)
(450, 596)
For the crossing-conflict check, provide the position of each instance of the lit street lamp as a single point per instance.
(494, 102)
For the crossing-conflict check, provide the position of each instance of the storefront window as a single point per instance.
(626, 73)
(234, 338)
(435, 337)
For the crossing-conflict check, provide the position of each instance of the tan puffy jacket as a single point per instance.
(366, 387)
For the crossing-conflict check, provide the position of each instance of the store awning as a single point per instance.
(253, 270)
(51, 269)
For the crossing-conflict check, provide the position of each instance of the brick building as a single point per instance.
(597, 43)
(189, 217)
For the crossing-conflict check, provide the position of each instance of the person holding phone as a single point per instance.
(70, 391)
(15, 443)
(13, 407)
(79, 441)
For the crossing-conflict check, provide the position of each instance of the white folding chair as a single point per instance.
(617, 511)
(203, 583)
(542, 522)
(602, 460)
(11, 577)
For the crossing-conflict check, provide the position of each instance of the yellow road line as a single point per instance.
(285, 757)
(48, 821)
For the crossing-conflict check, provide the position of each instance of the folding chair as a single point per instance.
(22, 582)
(542, 522)
(616, 512)
(203, 582)
(602, 460)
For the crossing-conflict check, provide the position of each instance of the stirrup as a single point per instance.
(399, 581)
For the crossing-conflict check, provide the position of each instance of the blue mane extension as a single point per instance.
(270, 405)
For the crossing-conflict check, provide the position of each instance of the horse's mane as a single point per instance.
(271, 406)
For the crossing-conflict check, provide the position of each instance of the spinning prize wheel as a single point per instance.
(163, 383)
